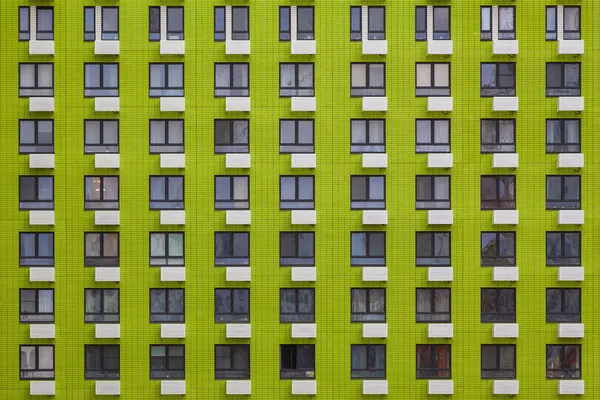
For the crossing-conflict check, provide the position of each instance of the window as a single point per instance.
(239, 23)
(285, 30)
(232, 136)
(24, 28)
(296, 248)
(36, 249)
(563, 79)
(232, 248)
(232, 192)
(433, 249)
(296, 80)
(433, 135)
(367, 305)
(297, 192)
(563, 192)
(36, 305)
(433, 361)
(36, 136)
(167, 305)
(498, 192)
(101, 80)
(167, 361)
(36, 192)
(174, 23)
(89, 24)
(421, 23)
(498, 79)
(551, 19)
(563, 361)
(296, 136)
(498, 361)
(571, 23)
(367, 136)
(305, 23)
(37, 362)
(368, 248)
(297, 305)
(433, 305)
(376, 23)
(166, 136)
(498, 248)
(102, 305)
(101, 192)
(433, 192)
(433, 79)
(232, 361)
(563, 248)
(232, 305)
(563, 305)
(486, 23)
(219, 24)
(498, 305)
(101, 249)
(166, 249)
(367, 192)
(498, 136)
(297, 361)
(36, 80)
(110, 23)
(166, 80)
(441, 23)
(506, 23)
(101, 136)
(563, 136)
(355, 23)
(367, 79)
(102, 361)
(45, 23)
(154, 23)
(232, 80)
(368, 361)
(166, 192)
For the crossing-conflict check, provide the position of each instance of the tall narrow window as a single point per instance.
(285, 31)
(441, 23)
(306, 23)
(24, 28)
(421, 23)
(551, 29)
(219, 24)
(240, 24)
(376, 20)
(355, 23)
(571, 23)
(110, 23)
(506, 23)
(154, 22)
(174, 23)
(89, 24)
(45, 23)
(486, 23)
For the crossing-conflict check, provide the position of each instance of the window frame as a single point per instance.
(426, 373)
(498, 143)
(499, 202)
(36, 137)
(367, 146)
(111, 147)
(432, 236)
(297, 146)
(165, 147)
(231, 147)
(310, 35)
(572, 34)
(300, 317)
(485, 35)
(36, 203)
(355, 372)
(102, 203)
(245, 90)
(104, 89)
(47, 91)
(498, 90)
(563, 136)
(232, 203)
(498, 316)
(232, 316)
(101, 260)
(367, 316)
(368, 259)
(171, 32)
(364, 204)
(36, 258)
(296, 373)
(296, 260)
(432, 144)
(430, 316)
(104, 31)
(101, 374)
(563, 316)
(164, 373)
(219, 11)
(153, 34)
(354, 31)
(368, 88)
(36, 317)
(233, 373)
(102, 316)
(296, 88)
(373, 32)
(232, 259)
(433, 199)
(563, 356)
(507, 34)
(159, 91)
(563, 85)
(499, 372)
(285, 35)
(160, 203)
(563, 234)
(492, 261)
(551, 34)
(37, 369)
(297, 199)
(89, 35)
(24, 32)
(167, 260)
(423, 91)
(440, 32)
(50, 33)
(420, 34)
(559, 203)
(163, 316)
(245, 33)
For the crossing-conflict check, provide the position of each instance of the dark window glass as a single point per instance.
(102, 305)
(498, 192)
(297, 305)
(563, 248)
(36, 306)
(101, 80)
(498, 249)
(102, 362)
(367, 305)
(101, 249)
(433, 361)
(305, 23)
(563, 79)
(367, 248)
(498, 79)
(367, 192)
(563, 361)
(368, 361)
(433, 192)
(498, 305)
(433, 248)
(563, 305)
(563, 192)
(232, 305)
(563, 136)
(285, 33)
(498, 136)
(167, 361)
(498, 361)
(36, 192)
(232, 136)
(297, 248)
(232, 361)
(297, 361)
(433, 305)
(167, 305)
(232, 248)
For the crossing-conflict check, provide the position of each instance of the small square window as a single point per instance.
(368, 361)
(367, 305)
(296, 136)
(101, 192)
(563, 248)
(296, 80)
(232, 192)
(433, 305)
(433, 249)
(297, 192)
(36, 306)
(166, 136)
(367, 248)
(367, 79)
(166, 192)
(296, 248)
(498, 361)
(36, 249)
(232, 136)
(433, 361)
(563, 361)
(486, 23)
(232, 248)
(498, 249)
(101, 80)
(232, 361)
(498, 305)
(367, 136)
(36, 192)
(232, 305)
(433, 192)
(37, 362)
(297, 361)
(167, 249)
(101, 249)
(433, 79)
(102, 305)
(433, 135)
(166, 80)
(563, 135)
(231, 80)
(167, 305)
(297, 305)
(101, 136)
(36, 136)
(498, 192)
(498, 136)
(36, 79)
(355, 23)
(563, 305)
(563, 192)
(167, 361)
(563, 79)
(498, 79)
(102, 362)
(367, 192)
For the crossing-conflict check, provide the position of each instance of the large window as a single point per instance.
(433, 79)
(167, 361)
(563, 79)
(367, 79)
(101, 192)
(498, 192)
(367, 305)
(102, 362)
(368, 361)
(433, 361)
(297, 361)
(36, 192)
(166, 136)
(367, 192)
(498, 136)
(102, 305)
(297, 305)
(296, 136)
(232, 305)
(232, 361)
(498, 305)
(297, 248)
(571, 23)
(375, 23)
(101, 80)
(563, 192)
(101, 136)
(432, 135)
(498, 79)
(367, 248)
(367, 136)
(36, 305)
(174, 19)
(563, 248)
(498, 361)
(232, 248)
(36, 136)
(167, 249)
(433, 248)
(232, 192)
(296, 80)
(166, 192)
(433, 192)
(101, 249)
(36, 80)
(433, 305)
(232, 136)
(563, 305)
(232, 80)
(563, 135)
(167, 305)
(297, 192)
(498, 248)
(36, 249)
(37, 362)
(166, 80)
(441, 23)
(563, 361)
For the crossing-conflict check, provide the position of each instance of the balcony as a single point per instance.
(440, 274)
(172, 387)
(172, 161)
(307, 388)
(107, 217)
(374, 47)
(237, 104)
(570, 104)
(108, 274)
(439, 47)
(505, 160)
(500, 104)
(41, 217)
(374, 160)
(505, 47)
(41, 47)
(439, 160)
(238, 331)
(172, 331)
(571, 387)
(505, 274)
(304, 274)
(241, 47)
(506, 387)
(570, 331)
(238, 217)
(437, 331)
(42, 274)
(107, 161)
(570, 274)
(304, 104)
(375, 331)
(42, 388)
(304, 331)
(172, 104)
(573, 47)
(41, 161)
(370, 104)
(41, 104)
(570, 160)
(440, 104)
(108, 331)
(240, 388)
(42, 331)
(172, 274)
(308, 160)
(374, 274)
(169, 217)
(304, 217)
(172, 47)
(374, 217)
(505, 217)
(375, 387)
(440, 387)
(303, 47)
(570, 217)
(107, 104)
(440, 217)
(235, 161)
(106, 47)
(510, 331)
(108, 388)
(237, 274)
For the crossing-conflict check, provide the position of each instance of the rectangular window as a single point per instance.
(433, 79)
(571, 23)
(297, 361)
(166, 249)
(166, 192)
(498, 248)
(441, 23)
(166, 136)
(433, 192)
(367, 192)
(355, 23)
(219, 24)
(297, 305)
(563, 192)
(102, 361)
(167, 305)
(498, 361)
(240, 24)
(174, 23)
(433, 249)
(498, 192)
(306, 23)
(232, 248)
(296, 248)
(563, 136)
(89, 24)
(506, 23)
(498, 305)
(154, 23)
(563, 248)
(110, 23)
(37, 362)
(297, 192)
(232, 305)
(498, 136)
(101, 249)
(101, 136)
(232, 136)
(486, 23)
(367, 305)
(166, 80)
(296, 136)
(551, 18)
(433, 361)
(368, 248)
(232, 80)
(167, 361)
(285, 30)
(498, 79)
(367, 79)
(420, 23)
(36, 192)
(563, 361)
(24, 28)
(101, 80)
(433, 135)
(232, 361)
(563, 305)
(376, 22)
(36, 79)
(101, 193)
(45, 23)
(368, 361)
(367, 136)
(36, 305)
(36, 136)
(36, 249)
(433, 305)
(232, 192)
(102, 305)
(563, 79)
(296, 80)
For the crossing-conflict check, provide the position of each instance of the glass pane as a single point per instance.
(157, 245)
(359, 75)
(359, 244)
